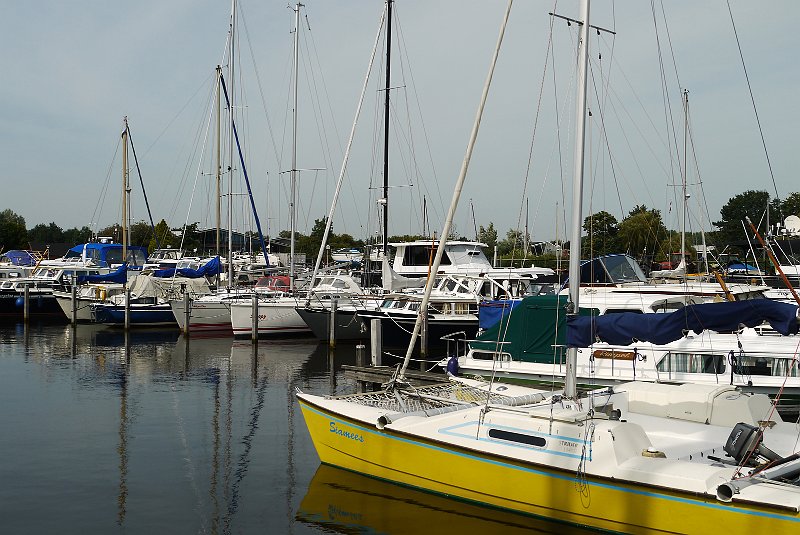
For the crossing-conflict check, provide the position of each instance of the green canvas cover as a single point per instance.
(534, 330)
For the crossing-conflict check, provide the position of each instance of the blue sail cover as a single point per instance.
(629, 327)
(119, 275)
(212, 267)
(490, 312)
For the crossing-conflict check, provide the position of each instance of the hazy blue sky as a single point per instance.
(73, 70)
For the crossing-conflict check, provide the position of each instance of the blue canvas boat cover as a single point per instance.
(20, 258)
(212, 267)
(119, 275)
(490, 312)
(627, 327)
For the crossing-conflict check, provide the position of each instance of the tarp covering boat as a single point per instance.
(490, 312)
(20, 258)
(119, 275)
(627, 328)
(212, 267)
(530, 332)
(106, 254)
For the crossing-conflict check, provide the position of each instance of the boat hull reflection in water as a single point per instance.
(340, 501)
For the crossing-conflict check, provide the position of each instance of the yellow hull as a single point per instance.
(528, 488)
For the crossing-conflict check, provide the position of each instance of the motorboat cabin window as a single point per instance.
(441, 308)
(450, 285)
(136, 257)
(676, 362)
(387, 303)
(761, 365)
(413, 306)
(422, 255)
(611, 269)
(339, 283)
(461, 308)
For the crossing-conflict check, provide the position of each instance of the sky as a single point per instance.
(74, 70)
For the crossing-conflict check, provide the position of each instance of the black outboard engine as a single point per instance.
(745, 445)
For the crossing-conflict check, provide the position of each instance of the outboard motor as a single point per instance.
(745, 445)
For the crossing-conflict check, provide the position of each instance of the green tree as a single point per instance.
(46, 234)
(642, 230)
(488, 236)
(513, 242)
(672, 244)
(750, 204)
(13, 233)
(192, 239)
(140, 233)
(166, 240)
(75, 235)
(791, 205)
(601, 230)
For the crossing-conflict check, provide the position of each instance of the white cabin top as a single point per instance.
(414, 258)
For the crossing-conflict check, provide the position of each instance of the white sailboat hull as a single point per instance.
(276, 316)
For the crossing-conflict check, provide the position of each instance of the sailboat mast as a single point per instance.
(570, 383)
(451, 212)
(219, 161)
(125, 191)
(293, 173)
(685, 167)
(386, 129)
(232, 141)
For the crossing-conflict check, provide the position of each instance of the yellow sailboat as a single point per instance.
(635, 458)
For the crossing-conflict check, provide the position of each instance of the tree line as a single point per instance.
(641, 232)
(15, 235)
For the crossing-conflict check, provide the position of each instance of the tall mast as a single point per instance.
(232, 141)
(386, 129)
(125, 191)
(683, 181)
(219, 161)
(570, 383)
(462, 175)
(293, 173)
(527, 231)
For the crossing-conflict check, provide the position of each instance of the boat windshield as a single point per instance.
(623, 268)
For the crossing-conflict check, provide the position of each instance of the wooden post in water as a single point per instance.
(423, 341)
(254, 315)
(361, 386)
(26, 303)
(332, 323)
(187, 312)
(74, 297)
(376, 341)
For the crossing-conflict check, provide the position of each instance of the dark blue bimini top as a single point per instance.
(627, 328)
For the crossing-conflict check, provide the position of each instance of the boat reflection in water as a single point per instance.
(340, 501)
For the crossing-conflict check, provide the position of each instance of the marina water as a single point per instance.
(154, 432)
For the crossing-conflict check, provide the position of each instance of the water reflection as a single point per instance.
(338, 501)
(130, 434)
